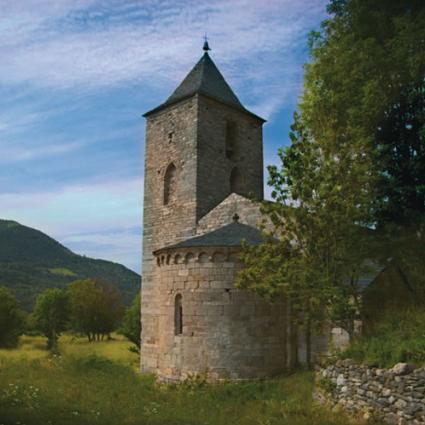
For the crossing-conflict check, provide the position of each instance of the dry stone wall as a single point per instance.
(396, 395)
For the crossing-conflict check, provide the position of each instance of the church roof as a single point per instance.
(206, 79)
(229, 235)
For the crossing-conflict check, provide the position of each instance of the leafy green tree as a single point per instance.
(355, 163)
(320, 218)
(12, 319)
(51, 314)
(131, 325)
(367, 75)
(96, 308)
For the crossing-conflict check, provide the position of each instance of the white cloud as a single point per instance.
(122, 245)
(155, 42)
(72, 48)
(77, 208)
(85, 213)
(13, 154)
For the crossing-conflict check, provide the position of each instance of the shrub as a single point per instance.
(12, 319)
(131, 325)
(397, 337)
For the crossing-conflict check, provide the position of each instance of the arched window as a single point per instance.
(169, 184)
(236, 181)
(178, 315)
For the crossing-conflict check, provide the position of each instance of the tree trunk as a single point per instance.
(308, 343)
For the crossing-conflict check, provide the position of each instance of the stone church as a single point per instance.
(203, 176)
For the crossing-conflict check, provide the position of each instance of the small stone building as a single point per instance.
(203, 178)
(389, 289)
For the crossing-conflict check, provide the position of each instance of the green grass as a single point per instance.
(396, 337)
(62, 271)
(97, 383)
(34, 347)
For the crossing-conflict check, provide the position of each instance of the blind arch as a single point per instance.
(170, 182)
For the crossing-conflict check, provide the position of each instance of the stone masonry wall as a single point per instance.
(247, 210)
(397, 395)
(191, 136)
(227, 332)
(171, 137)
(214, 167)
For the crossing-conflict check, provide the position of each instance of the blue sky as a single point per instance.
(76, 76)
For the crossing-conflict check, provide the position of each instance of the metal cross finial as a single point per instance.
(206, 46)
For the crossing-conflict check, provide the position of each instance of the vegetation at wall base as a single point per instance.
(131, 326)
(398, 336)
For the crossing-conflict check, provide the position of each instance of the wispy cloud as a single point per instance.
(102, 214)
(14, 154)
(94, 44)
(120, 245)
(76, 76)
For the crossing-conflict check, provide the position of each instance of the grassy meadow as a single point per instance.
(98, 383)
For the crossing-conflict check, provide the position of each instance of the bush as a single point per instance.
(131, 325)
(12, 319)
(397, 337)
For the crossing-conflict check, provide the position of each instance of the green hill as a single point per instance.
(31, 261)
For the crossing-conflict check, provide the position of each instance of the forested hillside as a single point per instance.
(31, 261)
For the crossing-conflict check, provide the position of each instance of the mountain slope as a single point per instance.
(31, 261)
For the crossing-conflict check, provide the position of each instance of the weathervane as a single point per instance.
(206, 46)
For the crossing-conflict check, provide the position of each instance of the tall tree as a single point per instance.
(12, 319)
(368, 73)
(51, 314)
(355, 163)
(320, 218)
(96, 308)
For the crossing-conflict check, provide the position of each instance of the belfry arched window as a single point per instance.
(236, 181)
(170, 183)
(178, 315)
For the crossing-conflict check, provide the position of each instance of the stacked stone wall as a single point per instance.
(396, 395)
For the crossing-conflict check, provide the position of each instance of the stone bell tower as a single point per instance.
(201, 146)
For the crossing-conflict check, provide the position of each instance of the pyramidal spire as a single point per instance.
(205, 78)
